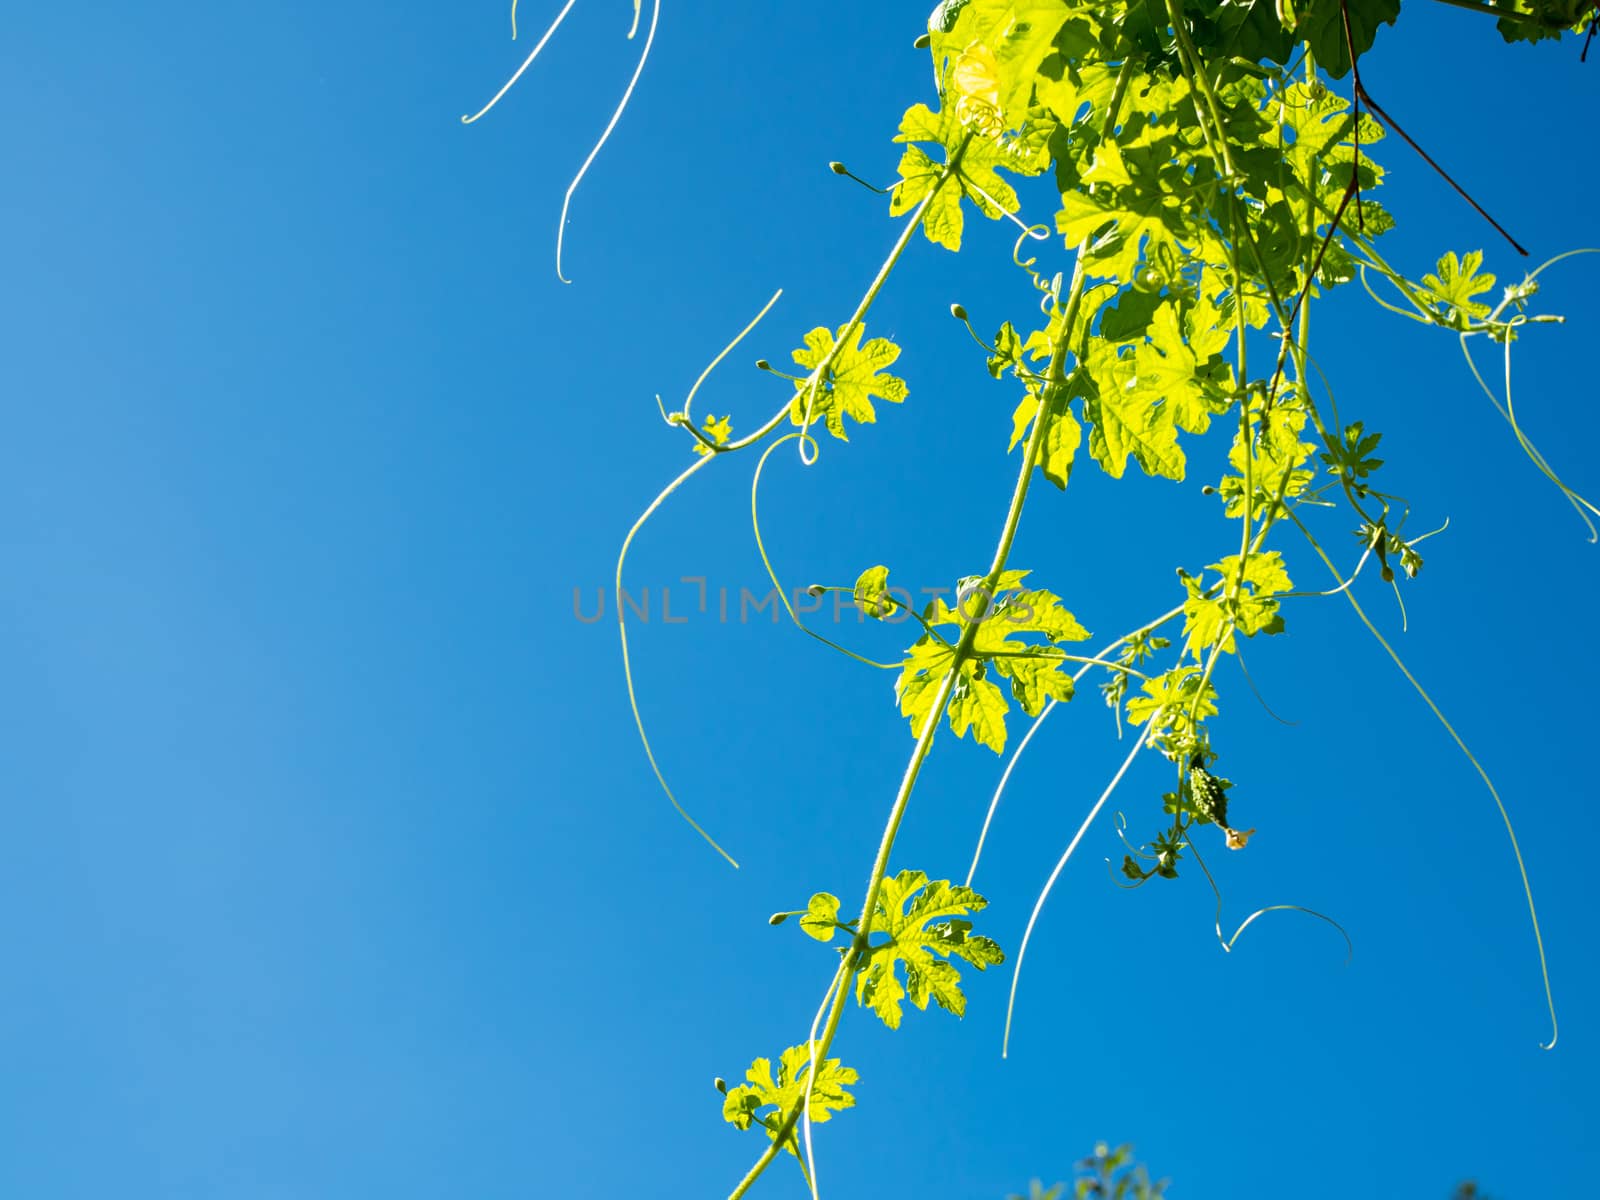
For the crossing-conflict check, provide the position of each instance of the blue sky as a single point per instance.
(330, 865)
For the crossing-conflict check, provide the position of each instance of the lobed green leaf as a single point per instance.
(926, 928)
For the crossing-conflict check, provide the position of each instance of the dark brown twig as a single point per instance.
(1362, 96)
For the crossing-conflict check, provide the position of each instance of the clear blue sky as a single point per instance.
(329, 863)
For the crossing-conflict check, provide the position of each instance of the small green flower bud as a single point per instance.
(778, 918)
(1149, 280)
(720, 1084)
(958, 312)
(763, 365)
(837, 168)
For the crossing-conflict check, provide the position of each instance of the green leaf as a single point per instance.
(1007, 351)
(1126, 418)
(974, 178)
(1015, 36)
(1035, 673)
(1062, 436)
(1275, 450)
(1535, 20)
(1136, 219)
(1245, 604)
(1322, 28)
(1008, 579)
(821, 919)
(1106, 166)
(846, 387)
(1454, 287)
(1036, 678)
(977, 704)
(1176, 705)
(924, 925)
(1127, 320)
(872, 592)
(1022, 417)
(1251, 29)
(719, 429)
(1314, 129)
(783, 1095)
(943, 18)
(1352, 458)
(1087, 87)
(1026, 611)
(1170, 363)
(925, 666)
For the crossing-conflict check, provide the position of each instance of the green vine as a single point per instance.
(1210, 186)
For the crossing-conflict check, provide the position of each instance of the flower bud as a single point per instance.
(1149, 280)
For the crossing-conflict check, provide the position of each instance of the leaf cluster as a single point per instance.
(1208, 191)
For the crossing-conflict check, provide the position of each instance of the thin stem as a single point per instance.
(820, 1046)
(726, 350)
(703, 438)
(854, 323)
(1200, 80)
(526, 63)
(840, 980)
(963, 651)
(772, 423)
(622, 624)
(1505, 816)
(761, 1164)
(1061, 863)
(1051, 654)
(861, 947)
(927, 625)
(566, 201)
(1005, 776)
(627, 664)
(1008, 533)
(777, 585)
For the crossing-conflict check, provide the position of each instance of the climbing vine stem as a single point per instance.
(1205, 164)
